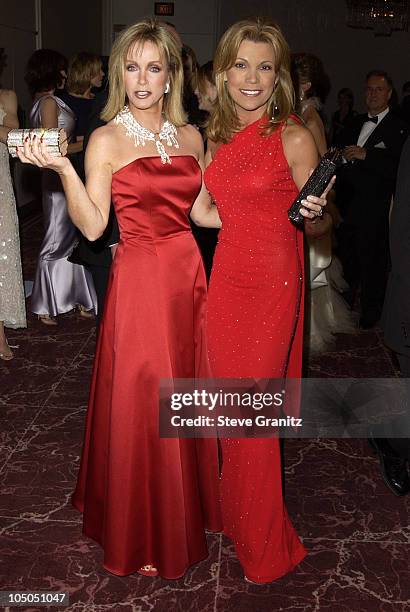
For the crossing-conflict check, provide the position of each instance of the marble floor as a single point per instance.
(356, 531)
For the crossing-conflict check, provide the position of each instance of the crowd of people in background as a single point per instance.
(64, 95)
(346, 256)
(61, 88)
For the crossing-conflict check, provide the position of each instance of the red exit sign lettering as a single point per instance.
(165, 9)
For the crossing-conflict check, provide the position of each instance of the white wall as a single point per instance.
(195, 21)
(320, 27)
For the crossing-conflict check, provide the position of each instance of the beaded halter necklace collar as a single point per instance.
(141, 135)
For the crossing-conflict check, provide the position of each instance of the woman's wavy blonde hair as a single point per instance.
(82, 68)
(224, 121)
(148, 30)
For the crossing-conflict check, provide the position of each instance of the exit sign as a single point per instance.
(165, 9)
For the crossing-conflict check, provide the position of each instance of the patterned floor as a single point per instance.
(357, 533)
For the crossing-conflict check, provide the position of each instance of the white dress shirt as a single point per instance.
(369, 126)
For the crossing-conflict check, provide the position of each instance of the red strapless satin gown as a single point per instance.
(255, 322)
(147, 499)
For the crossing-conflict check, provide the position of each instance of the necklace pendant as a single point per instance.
(141, 135)
(165, 158)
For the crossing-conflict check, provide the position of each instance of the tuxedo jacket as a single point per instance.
(364, 187)
(396, 311)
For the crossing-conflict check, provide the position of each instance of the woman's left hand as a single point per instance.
(313, 206)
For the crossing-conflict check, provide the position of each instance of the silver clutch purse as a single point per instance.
(54, 138)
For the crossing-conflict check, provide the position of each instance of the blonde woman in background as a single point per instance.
(205, 89)
(84, 73)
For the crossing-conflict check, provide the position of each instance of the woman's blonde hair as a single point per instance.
(224, 121)
(204, 76)
(82, 68)
(152, 31)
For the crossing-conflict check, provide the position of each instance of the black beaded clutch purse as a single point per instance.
(316, 183)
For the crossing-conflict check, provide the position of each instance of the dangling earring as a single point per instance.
(167, 88)
(275, 108)
(274, 105)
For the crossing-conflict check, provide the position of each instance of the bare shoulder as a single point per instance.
(296, 135)
(310, 113)
(190, 138)
(48, 103)
(191, 134)
(298, 144)
(8, 103)
(103, 135)
(103, 143)
(8, 98)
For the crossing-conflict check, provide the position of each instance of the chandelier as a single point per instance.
(383, 16)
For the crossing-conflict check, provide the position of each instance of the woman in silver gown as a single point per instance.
(12, 305)
(59, 285)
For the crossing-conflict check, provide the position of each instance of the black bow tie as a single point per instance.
(372, 119)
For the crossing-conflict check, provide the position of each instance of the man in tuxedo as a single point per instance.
(372, 144)
(392, 440)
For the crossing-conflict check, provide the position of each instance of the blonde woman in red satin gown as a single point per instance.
(146, 500)
(255, 305)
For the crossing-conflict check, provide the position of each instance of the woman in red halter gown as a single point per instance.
(146, 500)
(255, 304)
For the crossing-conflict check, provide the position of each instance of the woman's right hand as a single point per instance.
(35, 152)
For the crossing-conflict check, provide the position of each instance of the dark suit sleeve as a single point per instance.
(396, 315)
(350, 133)
(94, 122)
(384, 162)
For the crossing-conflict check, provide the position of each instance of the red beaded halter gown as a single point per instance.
(146, 499)
(255, 322)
